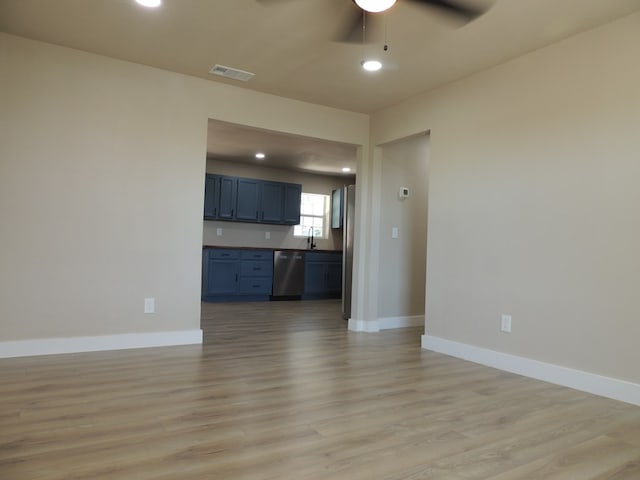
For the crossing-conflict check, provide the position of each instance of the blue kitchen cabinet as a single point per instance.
(334, 276)
(256, 274)
(323, 275)
(272, 202)
(337, 205)
(220, 197)
(227, 197)
(315, 277)
(248, 200)
(221, 276)
(211, 196)
(236, 274)
(291, 209)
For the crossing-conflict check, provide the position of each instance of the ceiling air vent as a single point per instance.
(232, 73)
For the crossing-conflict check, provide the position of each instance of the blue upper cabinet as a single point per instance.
(211, 196)
(251, 200)
(248, 201)
(292, 195)
(227, 198)
(272, 202)
(337, 199)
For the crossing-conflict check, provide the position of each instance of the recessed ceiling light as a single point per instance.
(346, 169)
(149, 3)
(375, 6)
(260, 155)
(371, 65)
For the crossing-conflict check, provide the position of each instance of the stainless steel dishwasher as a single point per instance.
(288, 274)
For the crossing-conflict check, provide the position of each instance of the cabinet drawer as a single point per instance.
(256, 255)
(257, 285)
(223, 253)
(260, 268)
(323, 257)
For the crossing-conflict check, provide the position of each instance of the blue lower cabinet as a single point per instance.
(334, 278)
(242, 275)
(322, 275)
(255, 286)
(315, 278)
(236, 275)
(253, 268)
(223, 277)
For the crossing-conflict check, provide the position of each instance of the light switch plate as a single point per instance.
(505, 323)
(394, 232)
(149, 305)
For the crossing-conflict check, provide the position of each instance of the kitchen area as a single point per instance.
(278, 217)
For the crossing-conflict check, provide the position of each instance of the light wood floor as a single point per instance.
(283, 391)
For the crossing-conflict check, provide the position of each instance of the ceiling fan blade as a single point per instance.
(461, 10)
(352, 28)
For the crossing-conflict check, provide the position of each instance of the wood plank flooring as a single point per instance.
(282, 390)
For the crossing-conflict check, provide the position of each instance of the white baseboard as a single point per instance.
(579, 380)
(50, 346)
(370, 326)
(385, 323)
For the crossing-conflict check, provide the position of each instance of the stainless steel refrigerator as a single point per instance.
(348, 224)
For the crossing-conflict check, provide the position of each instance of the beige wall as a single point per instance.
(253, 234)
(102, 168)
(403, 259)
(533, 202)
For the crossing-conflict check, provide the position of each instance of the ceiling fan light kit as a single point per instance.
(371, 65)
(150, 3)
(462, 11)
(375, 6)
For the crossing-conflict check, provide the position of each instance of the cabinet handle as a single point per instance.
(232, 212)
(215, 212)
(236, 277)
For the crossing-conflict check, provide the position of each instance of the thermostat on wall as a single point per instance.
(404, 192)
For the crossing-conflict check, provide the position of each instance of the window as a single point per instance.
(314, 210)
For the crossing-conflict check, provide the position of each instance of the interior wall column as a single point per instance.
(366, 243)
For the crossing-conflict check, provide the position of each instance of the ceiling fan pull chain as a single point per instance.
(386, 33)
(364, 27)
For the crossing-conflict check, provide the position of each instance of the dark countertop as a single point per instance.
(272, 249)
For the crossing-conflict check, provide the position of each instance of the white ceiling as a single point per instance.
(238, 143)
(288, 45)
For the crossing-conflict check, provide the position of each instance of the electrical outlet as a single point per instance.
(394, 232)
(267, 235)
(149, 305)
(505, 323)
(219, 231)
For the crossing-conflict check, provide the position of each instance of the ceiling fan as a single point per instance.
(459, 10)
